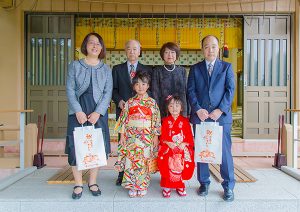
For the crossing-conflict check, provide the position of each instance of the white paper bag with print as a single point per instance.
(89, 147)
(208, 143)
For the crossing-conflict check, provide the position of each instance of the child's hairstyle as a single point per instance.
(176, 99)
(143, 76)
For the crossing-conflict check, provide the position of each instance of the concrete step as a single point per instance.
(274, 191)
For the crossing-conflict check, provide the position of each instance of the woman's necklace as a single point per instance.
(170, 69)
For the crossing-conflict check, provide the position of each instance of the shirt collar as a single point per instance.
(207, 63)
(135, 65)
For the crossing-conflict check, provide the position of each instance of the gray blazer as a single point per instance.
(78, 80)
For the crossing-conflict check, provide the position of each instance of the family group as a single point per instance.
(157, 110)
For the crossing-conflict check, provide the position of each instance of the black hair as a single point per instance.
(86, 40)
(176, 99)
(172, 46)
(143, 76)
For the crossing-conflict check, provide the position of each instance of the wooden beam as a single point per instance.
(6, 3)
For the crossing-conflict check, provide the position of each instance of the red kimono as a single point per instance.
(177, 164)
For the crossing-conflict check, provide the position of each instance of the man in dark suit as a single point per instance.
(122, 75)
(210, 88)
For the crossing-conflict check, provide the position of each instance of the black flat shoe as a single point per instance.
(95, 193)
(118, 181)
(120, 178)
(203, 190)
(75, 195)
(228, 195)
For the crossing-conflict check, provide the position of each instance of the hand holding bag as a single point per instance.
(152, 163)
(89, 147)
(208, 142)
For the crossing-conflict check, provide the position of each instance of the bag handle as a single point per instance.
(208, 122)
(84, 128)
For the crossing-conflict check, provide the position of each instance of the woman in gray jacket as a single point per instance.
(89, 90)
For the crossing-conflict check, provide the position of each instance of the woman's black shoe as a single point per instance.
(77, 196)
(95, 193)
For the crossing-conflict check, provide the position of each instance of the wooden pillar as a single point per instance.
(295, 80)
(233, 60)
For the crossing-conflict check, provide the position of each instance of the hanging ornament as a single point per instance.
(225, 51)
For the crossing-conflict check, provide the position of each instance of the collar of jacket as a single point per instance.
(98, 66)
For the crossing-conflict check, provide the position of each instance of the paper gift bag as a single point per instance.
(208, 143)
(89, 147)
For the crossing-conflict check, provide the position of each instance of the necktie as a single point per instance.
(210, 69)
(132, 71)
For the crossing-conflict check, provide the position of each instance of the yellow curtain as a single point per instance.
(189, 38)
(210, 31)
(147, 37)
(166, 35)
(153, 33)
(233, 37)
(124, 34)
(108, 35)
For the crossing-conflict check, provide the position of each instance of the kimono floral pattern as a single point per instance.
(140, 122)
(176, 164)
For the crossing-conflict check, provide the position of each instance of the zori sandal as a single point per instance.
(132, 193)
(166, 192)
(141, 193)
(181, 192)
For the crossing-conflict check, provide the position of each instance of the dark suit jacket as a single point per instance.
(211, 94)
(122, 89)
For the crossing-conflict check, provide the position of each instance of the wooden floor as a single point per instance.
(65, 175)
(240, 175)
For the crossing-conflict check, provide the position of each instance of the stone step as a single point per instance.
(273, 192)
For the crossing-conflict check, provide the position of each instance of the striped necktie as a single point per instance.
(210, 69)
(132, 71)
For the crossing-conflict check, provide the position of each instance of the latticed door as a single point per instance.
(49, 50)
(266, 74)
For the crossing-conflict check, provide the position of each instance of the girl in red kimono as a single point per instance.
(176, 149)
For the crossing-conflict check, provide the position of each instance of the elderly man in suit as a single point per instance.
(122, 76)
(210, 88)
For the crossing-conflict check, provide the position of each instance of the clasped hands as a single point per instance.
(172, 145)
(92, 118)
(214, 115)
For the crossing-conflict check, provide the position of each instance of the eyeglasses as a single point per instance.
(91, 43)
